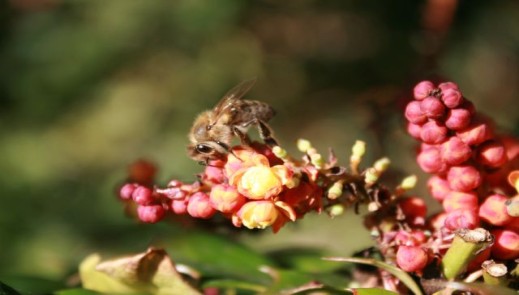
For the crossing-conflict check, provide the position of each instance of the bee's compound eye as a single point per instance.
(204, 149)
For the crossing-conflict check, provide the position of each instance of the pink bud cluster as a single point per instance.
(252, 187)
(469, 164)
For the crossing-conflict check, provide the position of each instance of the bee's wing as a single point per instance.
(237, 92)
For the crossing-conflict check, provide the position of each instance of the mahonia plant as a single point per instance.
(474, 175)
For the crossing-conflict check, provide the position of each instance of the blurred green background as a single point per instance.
(87, 87)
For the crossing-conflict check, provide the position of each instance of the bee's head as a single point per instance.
(205, 151)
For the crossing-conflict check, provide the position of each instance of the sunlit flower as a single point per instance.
(261, 214)
(225, 198)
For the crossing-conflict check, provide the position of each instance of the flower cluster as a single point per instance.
(253, 187)
(469, 164)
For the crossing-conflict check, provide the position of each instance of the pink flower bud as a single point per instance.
(475, 133)
(225, 198)
(506, 244)
(414, 130)
(199, 206)
(437, 221)
(150, 213)
(430, 161)
(458, 119)
(414, 114)
(433, 133)
(493, 210)
(438, 187)
(460, 200)
(423, 89)
(414, 238)
(126, 191)
(411, 258)
(432, 107)
(452, 98)
(492, 154)
(213, 174)
(142, 195)
(179, 206)
(414, 209)
(454, 151)
(448, 85)
(463, 178)
(461, 218)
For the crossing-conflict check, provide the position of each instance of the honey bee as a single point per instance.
(213, 130)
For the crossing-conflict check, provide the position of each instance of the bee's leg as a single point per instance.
(266, 133)
(227, 148)
(244, 138)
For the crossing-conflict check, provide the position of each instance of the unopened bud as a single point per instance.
(371, 176)
(335, 190)
(513, 179)
(359, 149)
(317, 160)
(409, 182)
(512, 207)
(381, 165)
(336, 210)
(303, 145)
(279, 152)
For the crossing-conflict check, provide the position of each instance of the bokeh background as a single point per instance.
(87, 87)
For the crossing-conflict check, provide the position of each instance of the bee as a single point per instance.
(213, 130)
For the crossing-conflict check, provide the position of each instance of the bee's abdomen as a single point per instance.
(253, 109)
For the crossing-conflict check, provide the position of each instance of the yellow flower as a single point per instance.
(258, 214)
(261, 181)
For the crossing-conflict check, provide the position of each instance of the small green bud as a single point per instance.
(336, 210)
(381, 165)
(335, 190)
(303, 145)
(317, 160)
(279, 152)
(371, 176)
(409, 182)
(359, 149)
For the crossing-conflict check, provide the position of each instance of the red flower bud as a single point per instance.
(461, 218)
(423, 89)
(448, 85)
(142, 195)
(432, 107)
(492, 154)
(214, 174)
(179, 206)
(506, 244)
(438, 187)
(411, 258)
(430, 161)
(458, 119)
(414, 114)
(493, 210)
(452, 97)
(414, 130)
(433, 133)
(463, 178)
(414, 238)
(150, 213)
(142, 172)
(413, 208)
(460, 200)
(475, 134)
(199, 206)
(454, 151)
(126, 191)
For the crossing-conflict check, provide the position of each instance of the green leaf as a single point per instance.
(31, 285)
(77, 291)
(235, 285)
(403, 276)
(6, 290)
(476, 288)
(290, 281)
(149, 272)
(218, 257)
(304, 259)
(372, 291)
